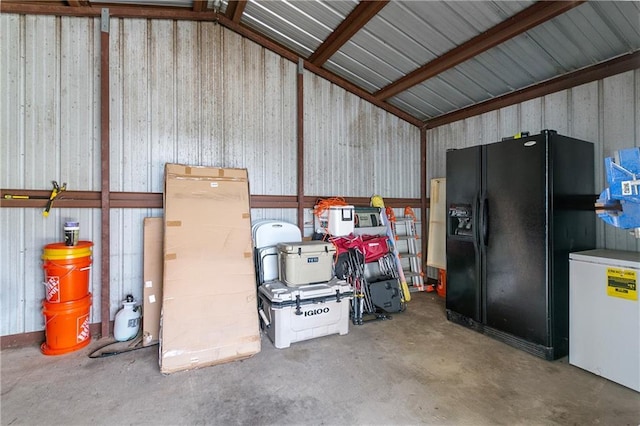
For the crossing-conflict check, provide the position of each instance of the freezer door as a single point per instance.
(515, 238)
(463, 294)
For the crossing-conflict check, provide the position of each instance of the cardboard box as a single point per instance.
(209, 312)
(152, 277)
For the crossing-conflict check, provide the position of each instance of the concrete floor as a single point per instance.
(414, 369)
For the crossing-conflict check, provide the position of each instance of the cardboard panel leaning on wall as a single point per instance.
(152, 271)
(209, 307)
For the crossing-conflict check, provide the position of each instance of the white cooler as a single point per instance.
(336, 221)
(306, 312)
(306, 262)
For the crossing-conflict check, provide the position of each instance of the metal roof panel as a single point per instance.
(302, 26)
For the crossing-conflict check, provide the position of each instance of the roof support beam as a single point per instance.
(199, 5)
(519, 23)
(235, 9)
(624, 63)
(78, 3)
(357, 19)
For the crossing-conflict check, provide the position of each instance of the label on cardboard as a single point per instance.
(622, 283)
(214, 184)
(148, 284)
(152, 298)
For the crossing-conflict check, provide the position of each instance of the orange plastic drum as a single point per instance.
(66, 271)
(66, 326)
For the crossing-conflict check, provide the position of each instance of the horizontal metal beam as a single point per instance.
(154, 200)
(624, 63)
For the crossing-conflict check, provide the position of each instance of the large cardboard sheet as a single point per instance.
(152, 271)
(209, 311)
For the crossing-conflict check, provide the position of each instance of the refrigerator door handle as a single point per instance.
(477, 219)
(485, 221)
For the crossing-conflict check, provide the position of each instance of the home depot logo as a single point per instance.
(83, 328)
(53, 289)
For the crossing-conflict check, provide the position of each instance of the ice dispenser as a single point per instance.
(460, 220)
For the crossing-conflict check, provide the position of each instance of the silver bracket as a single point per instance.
(300, 66)
(104, 20)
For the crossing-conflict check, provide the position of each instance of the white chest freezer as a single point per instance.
(301, 313)
(604, 314)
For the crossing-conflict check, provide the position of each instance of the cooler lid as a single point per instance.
(625, 259)
(306, 247)
(278, 292)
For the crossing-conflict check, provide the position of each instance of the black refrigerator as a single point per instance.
(516, 209)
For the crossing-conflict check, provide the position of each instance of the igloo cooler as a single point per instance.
(294, 314)
(306, 262)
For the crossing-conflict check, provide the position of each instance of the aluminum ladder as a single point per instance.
(407, 242)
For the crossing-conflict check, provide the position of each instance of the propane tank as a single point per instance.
(127, 320)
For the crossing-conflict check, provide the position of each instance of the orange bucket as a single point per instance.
(441, 288)
(66, 271)
(66, 326)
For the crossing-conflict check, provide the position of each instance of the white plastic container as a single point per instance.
(306, 312)
(336, 221)
(71, 233)
(306, 262)
(127, 322)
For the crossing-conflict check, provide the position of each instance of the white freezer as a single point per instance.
(604, 314)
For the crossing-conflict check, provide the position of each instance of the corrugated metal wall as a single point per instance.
(187, 92)
(354, 149)
(49, 86)
(606, 112)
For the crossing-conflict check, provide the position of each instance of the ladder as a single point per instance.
(407, 242)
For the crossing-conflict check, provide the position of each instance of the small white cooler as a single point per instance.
(302, 313)
(306, 262)
(336, 221)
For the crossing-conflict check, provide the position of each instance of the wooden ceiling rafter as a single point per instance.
(235, 9)
(519, 23)
(358, 18)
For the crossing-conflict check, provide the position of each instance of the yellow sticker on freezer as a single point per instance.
(622, 283)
